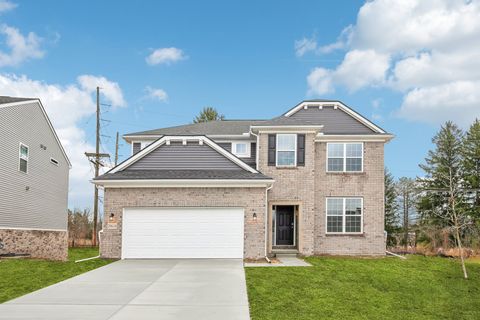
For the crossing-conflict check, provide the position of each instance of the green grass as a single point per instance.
(355, 288)
(21, 276)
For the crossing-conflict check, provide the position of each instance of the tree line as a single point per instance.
(442, 207)
(80, 227)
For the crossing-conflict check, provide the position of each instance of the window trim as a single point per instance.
(143, 144)
(345, 156)
(20, 156)
(248, 152)
(343, 216)
(294, 151)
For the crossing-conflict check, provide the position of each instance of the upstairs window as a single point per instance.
(241, 149)
(23, 155)
(344, 215)
(286, 150)
(345, 157)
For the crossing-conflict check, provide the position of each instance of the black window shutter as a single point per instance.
(272, 145)
(300, 150)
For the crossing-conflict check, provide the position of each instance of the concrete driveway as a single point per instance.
(142, 289)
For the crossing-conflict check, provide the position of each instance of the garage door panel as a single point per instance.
(182, 233)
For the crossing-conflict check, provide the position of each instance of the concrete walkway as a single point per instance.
(288, 261)
(142, 289)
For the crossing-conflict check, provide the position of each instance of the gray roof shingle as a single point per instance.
(224, 127)
(334, 121)
(183, 175)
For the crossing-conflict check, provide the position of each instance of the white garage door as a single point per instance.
(182, 233)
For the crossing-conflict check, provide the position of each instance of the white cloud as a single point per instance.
(358, 69)
(417, 47)
(6, 5)
(165, 56)
(111, 90)
(21, 47)
(157, 94)
(440, 103)
(305, 45)
(361, 68)
(68, 107)
(320, 81)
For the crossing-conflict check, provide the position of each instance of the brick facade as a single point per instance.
(309, 186)
(369, 185)
(40, 244)
(296, 184)
(304, 186)
(251, 199)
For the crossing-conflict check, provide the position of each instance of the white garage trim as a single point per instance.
(182, 232)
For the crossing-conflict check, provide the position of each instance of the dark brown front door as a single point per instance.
(285, 225)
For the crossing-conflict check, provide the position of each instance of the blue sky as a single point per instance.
(386, 59)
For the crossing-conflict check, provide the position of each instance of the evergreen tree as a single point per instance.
(391, 208)
(444, 196)
(471, 167)
(208, 114)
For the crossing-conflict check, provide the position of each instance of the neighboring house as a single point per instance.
(33, 181)
(310, 181)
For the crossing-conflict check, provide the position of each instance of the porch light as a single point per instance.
(255, 217)
(111, 217)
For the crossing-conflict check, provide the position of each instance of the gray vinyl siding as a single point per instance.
(136, 147)
(44, 204)
(184, 157)
(334, 121)
(252, 160)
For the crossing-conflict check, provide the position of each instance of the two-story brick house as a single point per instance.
(309, 181)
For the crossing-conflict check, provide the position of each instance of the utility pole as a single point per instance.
(116, 150)
(96, 162)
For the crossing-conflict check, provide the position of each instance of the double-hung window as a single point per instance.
(23, 155)
(345, 157)
(241, 149)
(344, 215)
(286, 150)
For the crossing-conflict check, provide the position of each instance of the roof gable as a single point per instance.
(6, 102)
(183, 153)
(334, 120)
(179, 156)
(336, 117)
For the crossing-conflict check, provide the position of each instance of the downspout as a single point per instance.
(257, 146)
(266, 198)
(266, 222)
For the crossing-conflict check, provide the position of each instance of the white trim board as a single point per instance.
(183, 183)
(335, 104)
(153, 137)
(164, 139)
(354, 137)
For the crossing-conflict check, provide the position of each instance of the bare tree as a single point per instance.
(405, 188)
(444, 195)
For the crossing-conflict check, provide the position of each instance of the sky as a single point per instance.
(408, 65)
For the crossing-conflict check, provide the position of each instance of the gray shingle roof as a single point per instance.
(183, 175)
(7, 99)
(225, 127)
(334, 121)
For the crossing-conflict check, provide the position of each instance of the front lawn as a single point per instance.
(21, 276)
(356, 288)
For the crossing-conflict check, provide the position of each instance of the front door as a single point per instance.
(285, 225)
